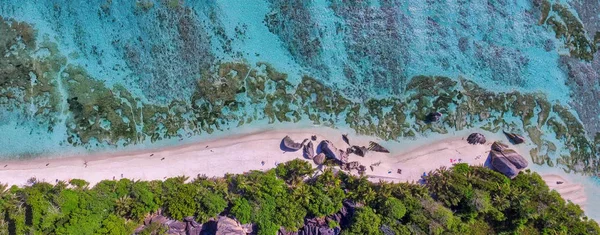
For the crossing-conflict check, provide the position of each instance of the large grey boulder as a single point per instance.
(319, 159)
(228, 226)
(332, 152)
(514, 138)
(499, 146)
(476, 138)
(507, 161)
(516, 159)
(192, 227)
(290, 145)
(176, 227)
(309, 150)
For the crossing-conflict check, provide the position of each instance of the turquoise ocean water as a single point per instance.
(158, 49)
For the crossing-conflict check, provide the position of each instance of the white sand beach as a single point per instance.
(239, 154)
(571, 191)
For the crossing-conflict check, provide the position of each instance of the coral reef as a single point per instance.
(568, 28)
(379, 92)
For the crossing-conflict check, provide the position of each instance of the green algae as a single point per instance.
(144, 5)
(568, 28)
(28, 82)
(90, 102)
(545, 10)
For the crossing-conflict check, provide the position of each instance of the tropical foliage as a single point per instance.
(458, 200)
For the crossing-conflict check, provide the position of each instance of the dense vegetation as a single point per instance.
(459, 200)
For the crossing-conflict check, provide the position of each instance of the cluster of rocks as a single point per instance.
(353, 166)
(326, 150)
(503, 159)
(320, 226)
(221, 225)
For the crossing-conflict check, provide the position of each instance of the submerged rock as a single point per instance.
(514, 138)
(377, 148)
(309, 150)
(507, 161)
(433, 117)
(291, 145)
(319, 159)
(476, 138)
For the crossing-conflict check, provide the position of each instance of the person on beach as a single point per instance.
(262, 163)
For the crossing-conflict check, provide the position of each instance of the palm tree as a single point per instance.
(302, 193)
(181, 179)
(385, 189)
(123, 205)
(3, 189)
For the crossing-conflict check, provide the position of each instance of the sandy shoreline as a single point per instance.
(242, 153)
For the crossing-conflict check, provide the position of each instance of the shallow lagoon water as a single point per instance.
(499, 46)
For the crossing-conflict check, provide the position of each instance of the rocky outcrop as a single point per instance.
(377, 147)
(507, 161)
(192, 227)
(476, 138)
(514, 138)
(176, 227)
(332, 152)
(319, 159)
(227, 226)
(350, 166)
(220, 226)
(290, 145)
(358, 150)
(320, 226)
(309, 150)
